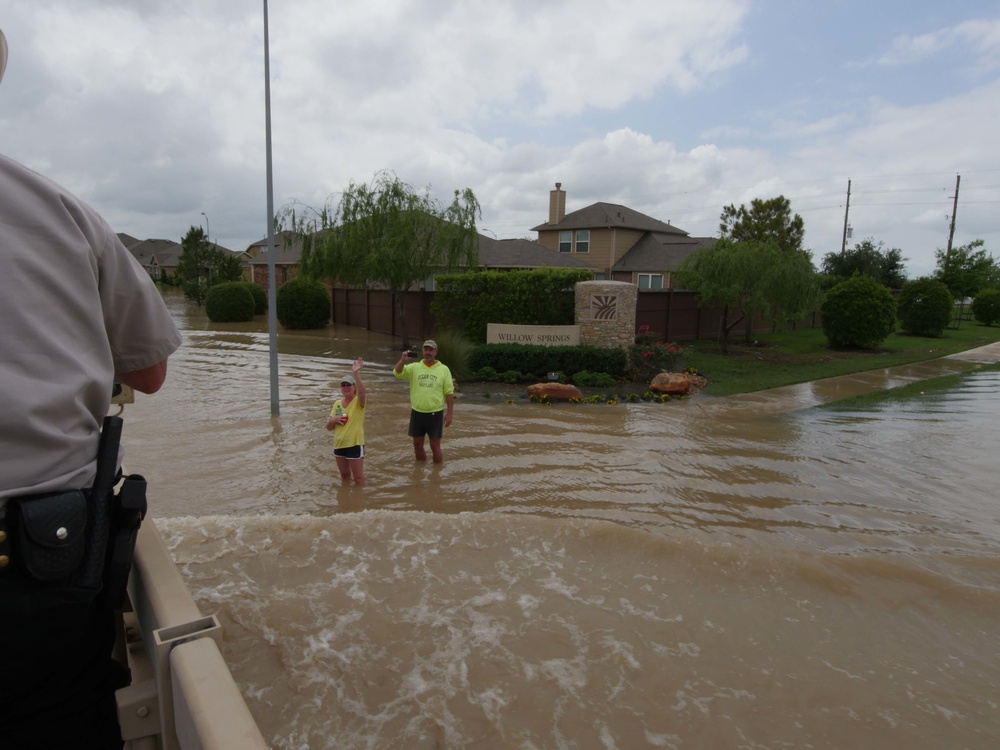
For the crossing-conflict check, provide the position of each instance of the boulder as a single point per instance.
(671, 383)
(555, 391)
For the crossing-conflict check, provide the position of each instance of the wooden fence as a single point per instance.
(673, 315)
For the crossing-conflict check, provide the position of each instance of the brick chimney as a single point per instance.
(557, 204)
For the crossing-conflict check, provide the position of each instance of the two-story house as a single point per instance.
(617, 242)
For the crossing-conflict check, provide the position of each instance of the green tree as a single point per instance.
(387, 235)
(757, 279)
(885, 266)
(203, 264)
(766, 221)
(966, 270)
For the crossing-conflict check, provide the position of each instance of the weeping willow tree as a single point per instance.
(757, 278)
(386, 235)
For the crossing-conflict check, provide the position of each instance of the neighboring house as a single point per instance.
(617, 242)
(522, 254)
(158, 257)
(286, 259)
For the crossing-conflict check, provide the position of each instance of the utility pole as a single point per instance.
(954, 210)
(847, 208)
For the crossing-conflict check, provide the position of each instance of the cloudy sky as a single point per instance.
(153, 110)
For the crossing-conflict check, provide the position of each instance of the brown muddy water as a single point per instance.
(747, 572)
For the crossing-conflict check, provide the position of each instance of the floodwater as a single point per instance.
(744, 572)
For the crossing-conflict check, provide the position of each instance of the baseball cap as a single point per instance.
(431, 343)
(349, 379)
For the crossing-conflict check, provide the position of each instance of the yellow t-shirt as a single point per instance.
(353, 433)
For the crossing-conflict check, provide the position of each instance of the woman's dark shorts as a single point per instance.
(352, 454)
(431, 425)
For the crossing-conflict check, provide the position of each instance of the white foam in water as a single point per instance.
(386, 630)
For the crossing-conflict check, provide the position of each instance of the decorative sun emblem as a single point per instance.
(604, 307)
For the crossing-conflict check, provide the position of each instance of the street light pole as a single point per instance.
(272, 294)
(208, 231)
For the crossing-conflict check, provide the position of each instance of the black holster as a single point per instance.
(65, 548)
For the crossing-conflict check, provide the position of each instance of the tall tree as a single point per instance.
(387, 235)
(758, 279)
(766, 221)
(203, 264)
(966, 270)
(869, 259)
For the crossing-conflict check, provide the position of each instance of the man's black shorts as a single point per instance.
(429, 424)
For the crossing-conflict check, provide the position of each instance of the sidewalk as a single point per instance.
(816, 392)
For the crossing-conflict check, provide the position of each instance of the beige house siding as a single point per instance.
(607, 246)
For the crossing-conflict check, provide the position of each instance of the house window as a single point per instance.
(583, 240)
(650, 281)
(565, 242)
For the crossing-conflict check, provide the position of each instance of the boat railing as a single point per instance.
(182, 695)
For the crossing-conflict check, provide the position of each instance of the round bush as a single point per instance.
(925, 307)
(303, 304)
(858, 312)
(259, 297)
(229, 302)
(986, 307)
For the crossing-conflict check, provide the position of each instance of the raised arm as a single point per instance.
(359, 385)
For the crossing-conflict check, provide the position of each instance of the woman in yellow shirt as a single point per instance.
(347, 420)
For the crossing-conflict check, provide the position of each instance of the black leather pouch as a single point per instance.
(49, 535)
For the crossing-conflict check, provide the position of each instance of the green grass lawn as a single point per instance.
(789, 357)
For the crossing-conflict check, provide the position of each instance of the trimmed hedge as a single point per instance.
(858, 312)
(539, 361)
(302, 304)
(925, 307)
(986, 307)
(259, 297)
(229, 302)
(468, 302)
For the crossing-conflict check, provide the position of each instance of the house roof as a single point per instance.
(611, 215)
(284, 251)
(127, 240)
(522, 253)
(660, 251)
(164, 252)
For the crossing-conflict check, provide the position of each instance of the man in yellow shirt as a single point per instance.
(432, 398)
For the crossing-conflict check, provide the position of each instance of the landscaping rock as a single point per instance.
(671, 383)
(555, 391)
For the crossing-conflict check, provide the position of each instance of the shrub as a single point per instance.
(986, 307)
(302, 303)
(229, 302)
(487, 375)
(545, 359)
(925, 307)
(259, 297)
(646, 360)
(594, 380)
(858, 312)
(510, 376)
(455, 351)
